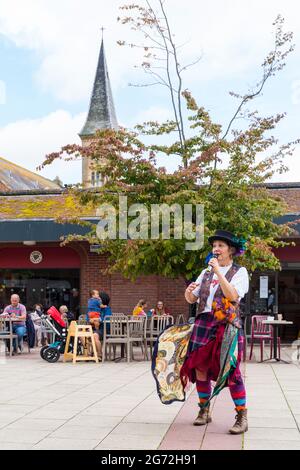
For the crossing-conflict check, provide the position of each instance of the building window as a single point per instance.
(93, 178)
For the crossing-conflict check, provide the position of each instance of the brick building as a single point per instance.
(35, 265)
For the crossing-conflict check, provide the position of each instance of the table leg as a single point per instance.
(11, 340)
(275, 338)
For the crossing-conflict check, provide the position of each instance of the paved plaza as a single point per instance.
(115, 406)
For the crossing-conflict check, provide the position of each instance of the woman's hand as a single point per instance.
(214, 263)
(192, 286)
(189, 296)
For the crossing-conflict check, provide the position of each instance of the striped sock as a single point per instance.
(204, 391)
(238, 393)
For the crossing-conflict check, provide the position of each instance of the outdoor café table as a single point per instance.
(275, 324)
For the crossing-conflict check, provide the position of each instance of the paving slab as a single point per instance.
(47, 406)
(90, 433)
(65, 444)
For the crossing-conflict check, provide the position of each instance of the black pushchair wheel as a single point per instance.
(42, 350)
(51, 354)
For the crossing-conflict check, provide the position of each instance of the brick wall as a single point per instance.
(124, 293)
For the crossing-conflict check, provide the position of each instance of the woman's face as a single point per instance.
(222, 249)
(160, 305)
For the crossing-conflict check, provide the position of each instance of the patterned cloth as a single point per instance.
(205, 288)
(168, 357)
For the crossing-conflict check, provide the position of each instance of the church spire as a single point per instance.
(101, 115)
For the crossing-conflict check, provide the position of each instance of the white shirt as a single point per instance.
(240, 281)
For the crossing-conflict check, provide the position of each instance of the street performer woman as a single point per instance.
(218, 290)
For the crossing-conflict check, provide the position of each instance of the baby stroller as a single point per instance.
(51, 352)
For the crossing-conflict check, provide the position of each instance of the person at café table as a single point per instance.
(17, 310)
(140, 308)
(159, 310)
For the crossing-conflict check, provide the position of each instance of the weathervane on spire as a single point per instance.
(102, 29)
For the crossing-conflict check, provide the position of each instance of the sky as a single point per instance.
(49, 52)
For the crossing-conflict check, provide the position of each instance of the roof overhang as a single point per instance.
(39, 230)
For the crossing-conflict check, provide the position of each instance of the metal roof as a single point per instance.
(15, 178)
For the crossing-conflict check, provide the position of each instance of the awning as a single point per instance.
(39, 230)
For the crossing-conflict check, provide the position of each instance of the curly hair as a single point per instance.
(105, 298)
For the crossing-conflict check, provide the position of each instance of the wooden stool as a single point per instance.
(80, 331)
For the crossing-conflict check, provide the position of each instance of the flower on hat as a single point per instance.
(241, 242)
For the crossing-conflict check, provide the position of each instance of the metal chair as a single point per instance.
(263, 333)
(117, 333)
(137, 333)
(181, 319)
(157, 325)
(6, 334)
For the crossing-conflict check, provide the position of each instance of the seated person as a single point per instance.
(94, 305)
(37, 323)
(140, 308)
(17, 310)
(159, 310)
(66, 316)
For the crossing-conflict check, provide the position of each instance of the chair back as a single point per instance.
(4, 328)
(115, 326)
(159, 323)
(137, 325)
(181, 319)
(258, 327)
(117, 314)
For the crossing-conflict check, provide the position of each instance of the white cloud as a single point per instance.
(154, 113)
(232, 35)
(27, 142)
(66, 37)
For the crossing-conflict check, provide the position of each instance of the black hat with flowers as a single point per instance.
(231, 239)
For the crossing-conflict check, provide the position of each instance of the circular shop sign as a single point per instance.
(36, 257)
